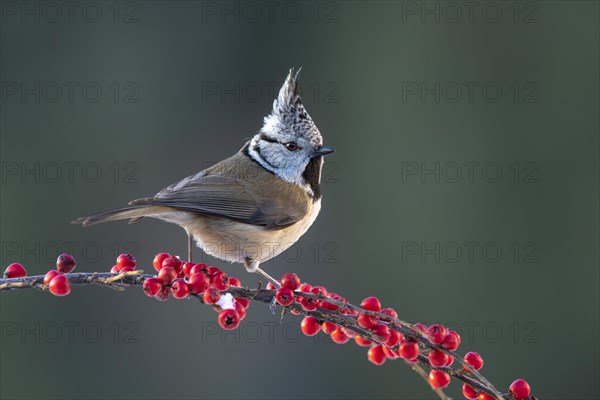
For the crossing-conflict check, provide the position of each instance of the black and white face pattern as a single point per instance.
(288, 137)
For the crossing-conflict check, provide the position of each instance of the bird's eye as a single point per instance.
(292, 146)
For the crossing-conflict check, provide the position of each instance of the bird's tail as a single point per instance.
(132, 213)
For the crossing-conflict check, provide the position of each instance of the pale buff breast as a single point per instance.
(234, 241)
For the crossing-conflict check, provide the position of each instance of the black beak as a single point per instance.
(322, 151)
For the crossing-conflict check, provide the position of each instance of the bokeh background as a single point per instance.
(464, 189)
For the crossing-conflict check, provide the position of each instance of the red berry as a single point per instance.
(339, 337)
(235, 282)
(420, 328)
(15, 270)
(371, 304)
(474, 360)
(180, 289)
(438, 379)
(330, 306)
(158, 260)
(163, 294)
(211, 295)
(270, 286)
(394, 338)
(152, 286)
(361, 341)
(60, 286)
(174, 263)
(367, 321)
(167, 275)
(290, 281)
(198, 283)
(126, 260)
(520, 389)
(408, 350)
(49, 275)
(390, 311)
(328, 327)
(126, 269)
(308, 304)
(229, 319)
(319, 290)
(469, 392)
(449, 360)
(437, 333)
(199, 268)
(305, 287)
(65, 263)
(219, 280)
(310, 326)
(186, 268)
(114, 269)
(437, 358)
(285, 296)
(349, 332)
(242, 302)
(451, 341)
(382, 331)
(485, 396)
(376, 355)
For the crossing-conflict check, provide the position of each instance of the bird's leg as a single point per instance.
(190, 247)
(269, 277)
(252, 266)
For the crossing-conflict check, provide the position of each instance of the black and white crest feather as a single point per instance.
(289, 114)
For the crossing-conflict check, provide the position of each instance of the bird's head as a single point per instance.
(289, 139)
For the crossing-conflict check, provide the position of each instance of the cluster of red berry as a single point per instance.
(182, 279)
(57, 283)
(392, 344)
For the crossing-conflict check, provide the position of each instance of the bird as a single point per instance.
(251, 206)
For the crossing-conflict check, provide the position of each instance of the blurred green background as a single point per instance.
(464, 189)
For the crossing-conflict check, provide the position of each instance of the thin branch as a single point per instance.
(119, 281)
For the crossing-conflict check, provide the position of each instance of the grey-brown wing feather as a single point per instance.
(225, 197)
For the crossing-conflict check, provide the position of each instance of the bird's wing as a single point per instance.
(226, 197)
